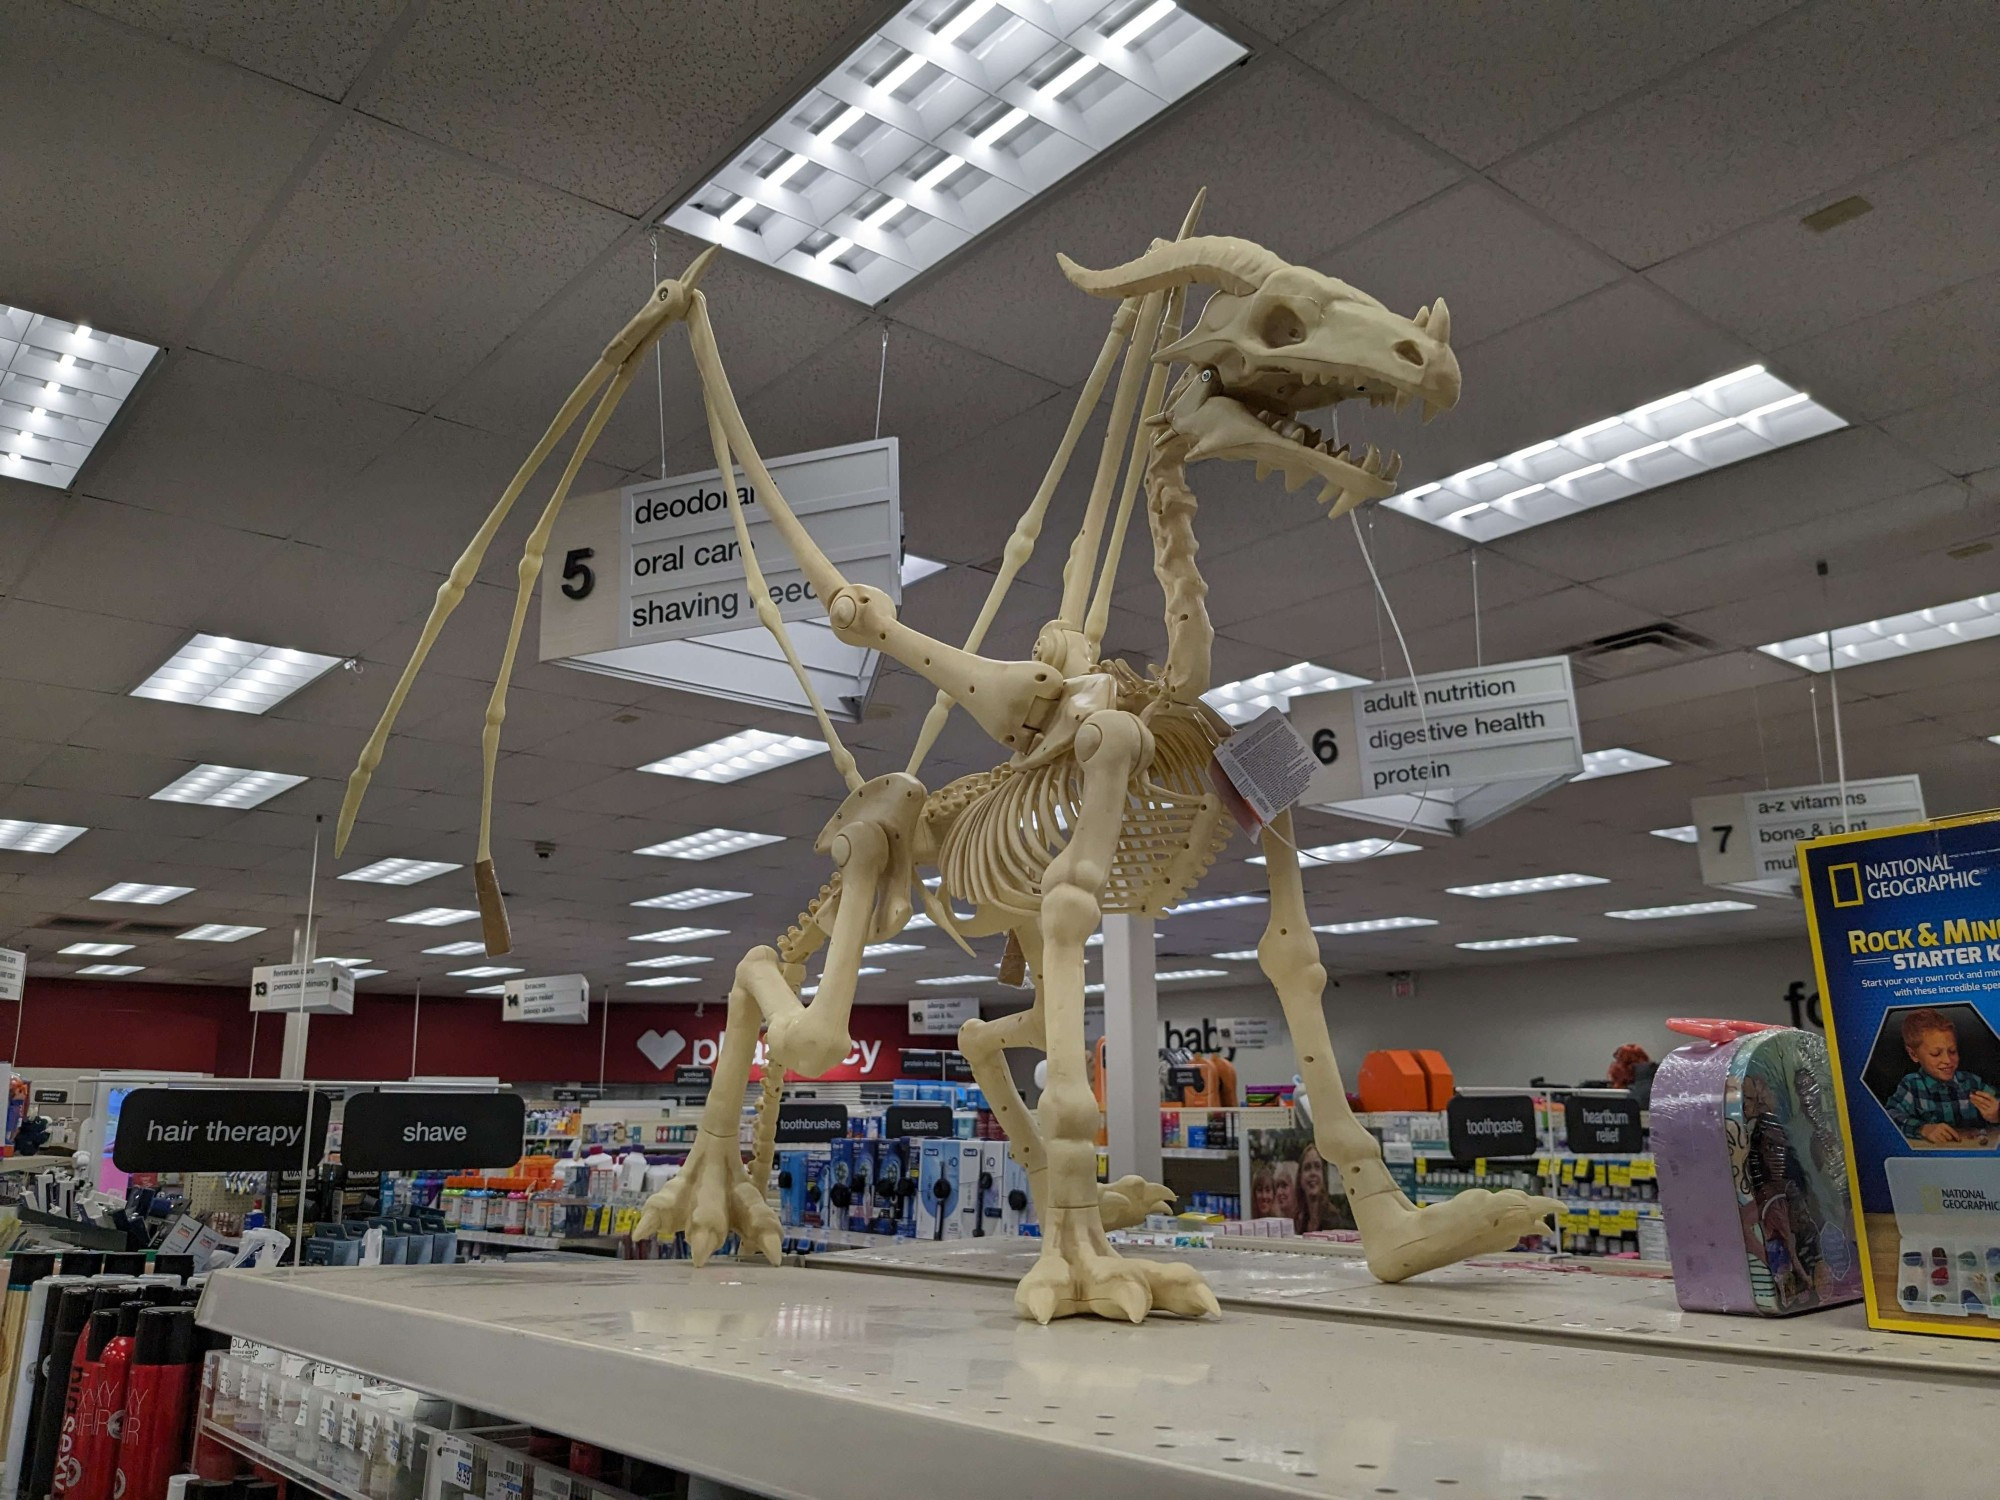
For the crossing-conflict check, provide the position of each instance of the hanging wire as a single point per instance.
(1833, 693)
(659, 361)
(1757, 710)
(1478, 636)
(882, 378)
(1819, 747)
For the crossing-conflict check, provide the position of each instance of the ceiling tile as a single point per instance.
(1778, 282)
(1914, 355)
(182, 153)
(1960, 433)
(1486, 84)
(1824, 93)
(131, 563)
(616, 103)
(28, 513)
(396, 265)
(319, 47)
(73, 648)
(1008, 299)
(213, 440)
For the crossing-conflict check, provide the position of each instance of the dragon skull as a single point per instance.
(1276, 340)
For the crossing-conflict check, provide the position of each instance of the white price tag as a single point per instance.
(455, 1454)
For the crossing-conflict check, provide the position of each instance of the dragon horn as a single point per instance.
(1231, 264)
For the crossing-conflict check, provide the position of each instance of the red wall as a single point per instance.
(74, 1024)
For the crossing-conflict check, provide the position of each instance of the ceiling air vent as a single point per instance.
(1646, 649)
(78, 924)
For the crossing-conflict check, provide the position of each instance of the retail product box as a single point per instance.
(1906, 934)
(1017, 1203)
(938, 1207)
(992, 1187)
(887, 1200)
(861, 1187)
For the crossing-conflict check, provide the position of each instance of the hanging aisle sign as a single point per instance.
(1446, 752)
(1748, 840)
(218, 1130)
(647, 583)
(942, 1015)
(387, 1130)
(320, 989)
(559, 998)
(13, 973)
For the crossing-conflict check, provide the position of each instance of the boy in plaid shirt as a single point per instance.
(1931, 1103)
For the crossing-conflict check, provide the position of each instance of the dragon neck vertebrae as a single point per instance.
(1103, 802)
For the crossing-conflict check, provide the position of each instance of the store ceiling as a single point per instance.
(379, 241)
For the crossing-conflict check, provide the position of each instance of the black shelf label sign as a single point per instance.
(923, 1063)
(802, 1124)
(218, 1130)
(694, 1078)
(1183, 1080)
(384, 1131)
(918, 1120)
(957, 1068)
(51, 1096)
(1597, 1123)
(1491, 1125)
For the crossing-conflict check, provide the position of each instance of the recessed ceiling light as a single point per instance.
(1217, 903)
(485, 971)
(813, 989)
(367, 973)
(1353, 849)
(437, 916)
(1237, 955)
(95, 950)
(36, 838)
(1685, 834)
(1690, 909)
(1895, 635)
(710, 843)
(1532, 886)
(213, 671)
(345, 963)
(1374, 924)
(1620, 762)
(883, 950)
(1490, 945)
(690, 899)
(226, 786)
(1170, 974)
(939, 126)
(218, 932)
(139, 894)
(960, 979)
(660, 980)
(458, 950)
(112, 971)
(736, 756)
(489, 989)
(669, 961)
(1735, 416)
(60, 386)
(680, 935)
(1095, 987)
(401, 871)
(917, 568)
(1240, 702)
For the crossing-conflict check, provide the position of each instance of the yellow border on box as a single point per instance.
(1876, 1318)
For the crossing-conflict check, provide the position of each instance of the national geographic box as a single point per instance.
(1906, 935)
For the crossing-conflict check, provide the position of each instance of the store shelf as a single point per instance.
(1196, 1153)
(805, 1382)
(537, 1241)
(311, 1480)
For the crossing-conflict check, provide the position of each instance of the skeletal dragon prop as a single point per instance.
(1104, 804)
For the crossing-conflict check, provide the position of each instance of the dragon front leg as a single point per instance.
(1399, 1238)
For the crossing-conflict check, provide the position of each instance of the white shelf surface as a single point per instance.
(821, 1386)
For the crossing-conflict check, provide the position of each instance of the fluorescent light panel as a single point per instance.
(680, 935)
(1533, 885)
(1617, 762)
(1495, 945)
(1348, 852)
(883, 950)
(738, 755)
(36, 838)
(458, 950)
(1374, 924)
(1685, 834)
(437, 916)
(95, 950)
(813, 989)
(360, 974)
(489, 989)
(138, 894)
(1241, 701)
(1975, 619)
(111, 971)
(915, 568)
(213, 671)
(1689, 909)
(710, 843)
(485, 971)
(670, 961)
(350, 963)
(1236, 955)
(1166, 975)
(219, 932)
(660, 981)
(940, 125)
(688, 900)
(60, 386)
(1218, 903)
(401, 871)
(226, 786)
(960, 979)
(1733, 417)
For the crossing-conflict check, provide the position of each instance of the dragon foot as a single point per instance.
(1079, 1272)
(709, 1199)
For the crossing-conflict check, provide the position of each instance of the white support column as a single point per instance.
(1131, 1047)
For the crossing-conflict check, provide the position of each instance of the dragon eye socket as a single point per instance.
(1282, 326)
